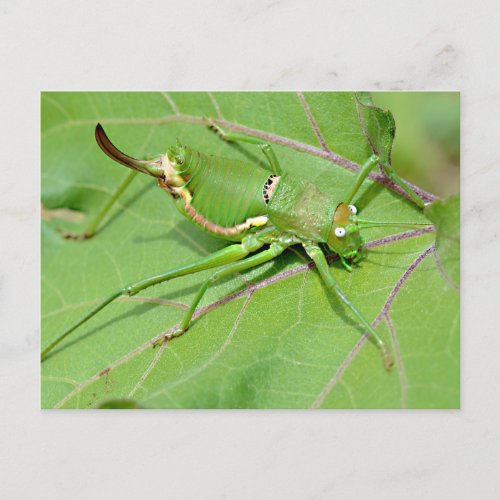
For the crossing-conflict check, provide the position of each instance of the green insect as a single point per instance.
(263, 212)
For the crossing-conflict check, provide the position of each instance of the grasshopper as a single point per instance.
(262, 212)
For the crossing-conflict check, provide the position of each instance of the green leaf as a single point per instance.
(446, 218)
(269, 338)
(378, 126)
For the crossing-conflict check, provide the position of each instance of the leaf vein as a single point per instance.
(313, 122)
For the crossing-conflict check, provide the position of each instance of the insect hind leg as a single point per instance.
(219, 258)
(266, 148)
(273, 251)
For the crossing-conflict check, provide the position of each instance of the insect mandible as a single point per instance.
(262, 216)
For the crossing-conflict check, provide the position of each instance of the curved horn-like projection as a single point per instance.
(150, 167)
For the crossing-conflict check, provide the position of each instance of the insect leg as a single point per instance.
(273, 251)
(368, 166)
(365, 169)
(319, 259)
(389, 171)
(94, 222)
(219, 258)
(264, 146)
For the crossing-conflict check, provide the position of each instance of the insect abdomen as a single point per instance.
(224, 192)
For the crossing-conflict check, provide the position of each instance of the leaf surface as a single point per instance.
(270, 337)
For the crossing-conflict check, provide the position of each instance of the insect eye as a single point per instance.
(179, 159)
(353, 209)
(339, 232)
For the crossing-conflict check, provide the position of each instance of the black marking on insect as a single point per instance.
(269, 187)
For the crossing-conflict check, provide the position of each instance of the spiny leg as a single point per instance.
(367, 167)
(264, 146)
(273, 251)
(97, 219)
(219, 258)
(319, 259)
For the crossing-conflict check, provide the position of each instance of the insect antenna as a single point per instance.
(365, 224)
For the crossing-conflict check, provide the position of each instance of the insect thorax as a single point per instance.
(299, 207)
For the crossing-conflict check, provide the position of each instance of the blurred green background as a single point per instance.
(427, 145)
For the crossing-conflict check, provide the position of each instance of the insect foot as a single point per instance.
(210, 122)
(213, 126)
(388, 361)
(176, 333)
(68, 235)
(169, 336)
(159, 342)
